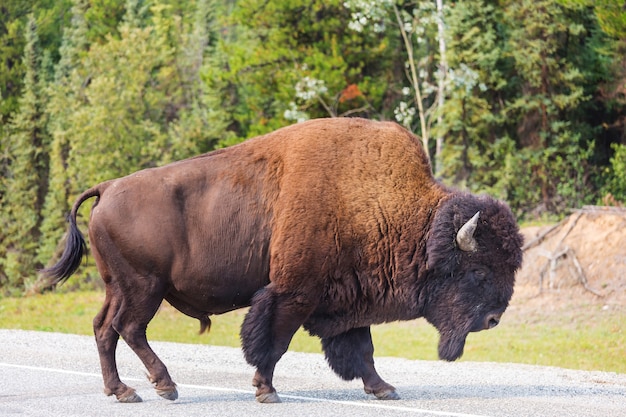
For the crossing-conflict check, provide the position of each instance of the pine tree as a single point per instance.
(25, 184)
(11, 53)
(471, 115)
(200, 122)
(64, 97)
(546, 43)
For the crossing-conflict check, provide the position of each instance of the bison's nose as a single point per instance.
(492, 320)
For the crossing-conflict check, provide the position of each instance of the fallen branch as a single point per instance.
(578, 213)
(604, 209)
(573, 223)
(577, 271)
(542, 236)
(581, 274)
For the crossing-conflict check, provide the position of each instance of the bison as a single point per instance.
(332, 224)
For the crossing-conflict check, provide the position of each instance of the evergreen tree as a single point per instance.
(611, 15)
(50, 18)
(64, 98)
(550, 172)
(144, 104)
(200, 122)
(11, 53)
(25, 183)
(472, 115)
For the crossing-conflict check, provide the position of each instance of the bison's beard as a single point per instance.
(451, 345)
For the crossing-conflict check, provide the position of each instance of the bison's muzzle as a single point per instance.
(451, 343)
(492, 320)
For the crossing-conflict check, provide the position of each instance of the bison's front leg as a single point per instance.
(351, 355)
(266, 333)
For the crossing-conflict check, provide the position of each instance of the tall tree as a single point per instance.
(25, 183)
(11, 53)
(545, 42)
(50, 18)
(65, 95)
(148, 82)
(473, 113)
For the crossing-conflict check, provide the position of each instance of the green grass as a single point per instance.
(566, 342)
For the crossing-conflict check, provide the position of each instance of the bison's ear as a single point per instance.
(465, 235)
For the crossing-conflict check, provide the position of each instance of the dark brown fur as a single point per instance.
(332, 224)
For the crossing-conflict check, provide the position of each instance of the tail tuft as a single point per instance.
(75, 248)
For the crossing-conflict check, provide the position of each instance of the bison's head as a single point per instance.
(473, 250)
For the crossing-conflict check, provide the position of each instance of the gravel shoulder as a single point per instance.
(52, 374)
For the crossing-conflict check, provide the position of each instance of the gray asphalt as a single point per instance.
(52, 374)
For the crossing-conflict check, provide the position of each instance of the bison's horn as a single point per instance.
(465, 236)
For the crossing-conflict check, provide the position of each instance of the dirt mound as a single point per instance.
(580, 261)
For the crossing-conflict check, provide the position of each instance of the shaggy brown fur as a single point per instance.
(332, 224)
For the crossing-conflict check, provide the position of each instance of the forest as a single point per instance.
(521, 99)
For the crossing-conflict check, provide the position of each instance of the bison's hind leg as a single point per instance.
(137, 309)
(126, 312)
(106, 340)
(351, 356)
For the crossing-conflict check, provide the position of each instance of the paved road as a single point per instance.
(51, 374)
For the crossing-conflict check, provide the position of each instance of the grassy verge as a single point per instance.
(573, 344)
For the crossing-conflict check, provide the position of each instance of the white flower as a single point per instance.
(292, 113)
(404, 114)
(309, 88)
(366, 11)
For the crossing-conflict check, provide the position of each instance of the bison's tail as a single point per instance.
(75, 246)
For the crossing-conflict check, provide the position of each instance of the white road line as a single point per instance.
(240, 391)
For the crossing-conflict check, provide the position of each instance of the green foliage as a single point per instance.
(473, 112)
(611, 15)
(62, 103)
(556, 175)
(133, 99)
(24, 185)
(49, 16)
(546, 50)
(517, 123)
(298, 59)
(11, 70)
(615, 176)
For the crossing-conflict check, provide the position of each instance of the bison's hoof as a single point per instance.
(268, 398)
(387, 395)
(169, 394)
(131, 397)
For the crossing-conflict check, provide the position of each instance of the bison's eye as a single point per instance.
(480, 273)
